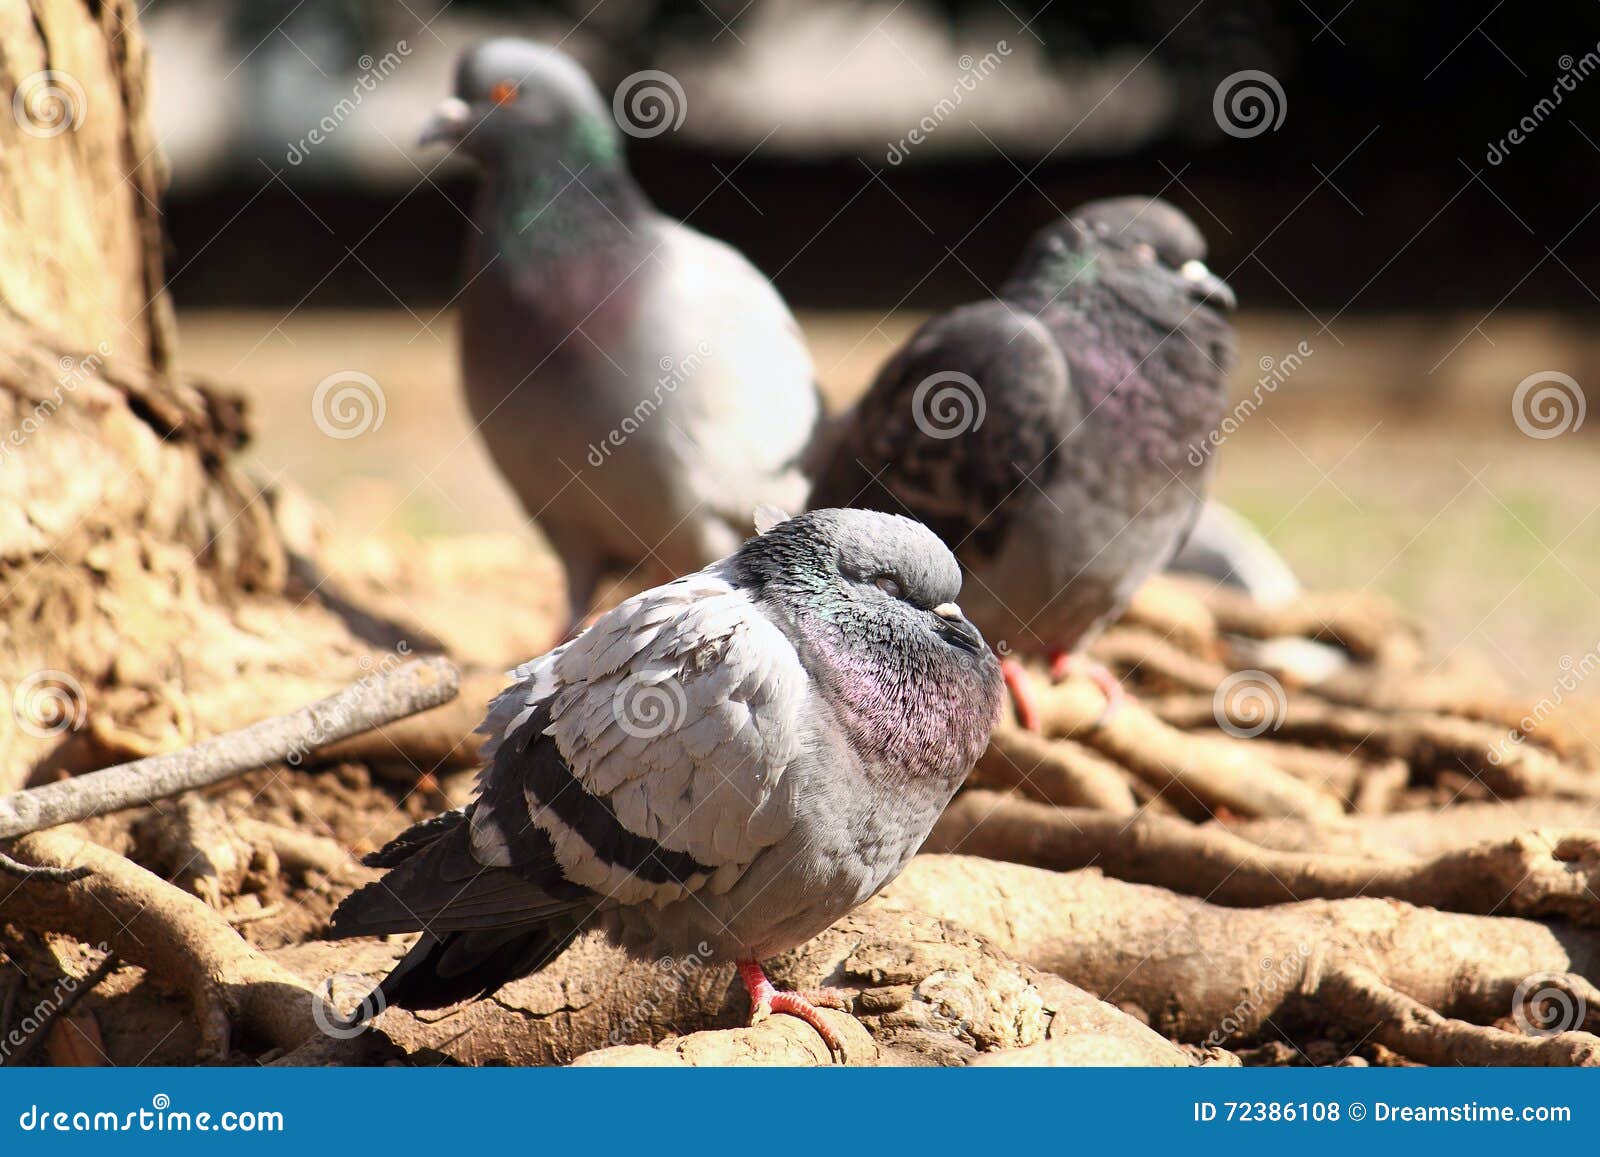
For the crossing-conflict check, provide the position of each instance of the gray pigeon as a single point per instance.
(736, 758)
(641, 386)
(1047, 435)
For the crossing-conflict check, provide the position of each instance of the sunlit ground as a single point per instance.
(1390, 462)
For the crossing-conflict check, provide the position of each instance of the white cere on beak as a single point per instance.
(1194, 270)
(949, 611)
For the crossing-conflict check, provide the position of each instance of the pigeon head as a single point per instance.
(870, 601)
(1142, 237)
(515, 98)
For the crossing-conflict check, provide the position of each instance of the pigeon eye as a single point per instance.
(888, 584)
(503, 92)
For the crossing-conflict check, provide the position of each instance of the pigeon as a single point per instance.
(1048, 435)
(641, 386)
(731, 761)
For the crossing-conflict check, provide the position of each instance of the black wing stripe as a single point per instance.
(531, 763)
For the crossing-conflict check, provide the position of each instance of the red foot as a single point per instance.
(766, 1000)
(1021, 693)
(1065, 664)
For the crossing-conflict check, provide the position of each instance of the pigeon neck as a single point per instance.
(537, 205)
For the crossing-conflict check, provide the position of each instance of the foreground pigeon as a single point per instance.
(737, 758)
(1049, 436)
(641, 386)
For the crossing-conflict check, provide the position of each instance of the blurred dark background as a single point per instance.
(1376, 190)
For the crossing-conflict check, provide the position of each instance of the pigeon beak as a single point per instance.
(1210, 287)
(451, 119)
(956, 630)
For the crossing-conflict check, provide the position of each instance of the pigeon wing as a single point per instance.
(967, 414)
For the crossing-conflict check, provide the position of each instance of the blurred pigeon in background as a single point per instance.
(1054, 438)
(1225, 547)
(641, 386)
(738, 758)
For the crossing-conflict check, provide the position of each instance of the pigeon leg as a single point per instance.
(1066, 663)
(1021, 693)
(766, 1000)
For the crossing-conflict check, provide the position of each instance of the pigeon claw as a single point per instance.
(1066, 664)
(765, 1000)
(1016, 679)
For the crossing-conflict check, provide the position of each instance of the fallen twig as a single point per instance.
(360, 707)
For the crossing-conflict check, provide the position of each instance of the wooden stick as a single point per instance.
(369, 703)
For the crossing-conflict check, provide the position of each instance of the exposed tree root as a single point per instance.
(1536, 874)
(1212, 769)
(923, 992)
(1228, 975)
(1359, 999)
(1419, 834)
(1056, 771)
(175, 937)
